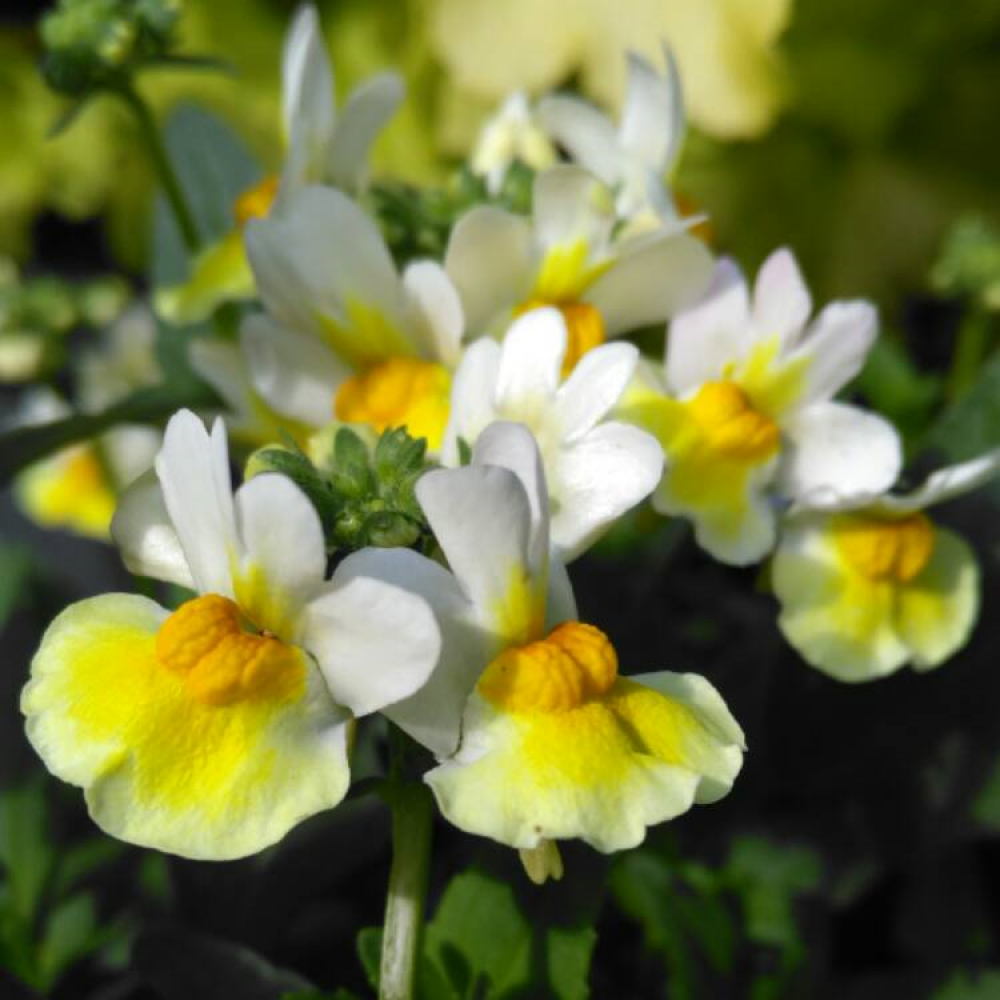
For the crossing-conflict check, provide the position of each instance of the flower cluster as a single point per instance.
(531, 425)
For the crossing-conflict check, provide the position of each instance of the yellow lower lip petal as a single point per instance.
(197, 776)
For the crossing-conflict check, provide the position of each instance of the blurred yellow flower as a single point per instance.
(726, 51)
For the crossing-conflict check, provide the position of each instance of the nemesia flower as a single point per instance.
(513, 134)
(564, 256)
(596, 469)
(323, 147)
(210, 731)
(554, 743)
(743, 408)
(345, 335)
(868, 582)
(635, 158)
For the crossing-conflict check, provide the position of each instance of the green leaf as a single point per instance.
(182, 965)
(79, 862)
(26, 852)
(351, 475)
(369, 945)
(962, 986)
(70, 934)
(16, 568)
(24, 445)
(483, 945)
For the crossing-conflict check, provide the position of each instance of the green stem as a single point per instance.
(972, 346)
(404, 909)
(168, 178)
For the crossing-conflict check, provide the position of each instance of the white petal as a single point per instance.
(473, 397)
(531, 364)
(319, 255)
(837, 344)
(283, 560)
(482, 520)
(362, 117)
(594, 386)
(375, 642)
(586, 133)
(221, 364)
(561, 602)
(512, 446)
(652, 123)
(306, 76)
(597, 479)
(833, 446)
(143, 531)
(947, 483)
(654, 279)
(781, 301)
(570, 205)
(194, 473)
(490, 258)
(706, 337)
(433, 715)
(438, 310)
(296, 375)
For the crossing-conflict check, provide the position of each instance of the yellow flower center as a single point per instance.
(573, 664)
(584, 328)
(203, 641)
(883, 549)
(731, 426)
(400, 392)
(256, 201)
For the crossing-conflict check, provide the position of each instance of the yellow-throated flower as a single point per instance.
(345, 335)
(564, 256)
(554, 743)
(743, 408)
(636, 157)
(596, 468)
(870, 583)
(323, 146)
(210, 731)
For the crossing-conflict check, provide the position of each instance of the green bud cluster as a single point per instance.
(364, 495)
(970, 263)
(95, 44)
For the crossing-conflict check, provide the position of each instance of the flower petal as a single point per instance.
(434, 300)
(655, 278)
(947, 483)
(596, 479)
(473, 391)
(283, 560)
(706, 337)
(836, 446)
(490, 259)
(603, 772)
(939, 608)
(652, 126)
(193, 469)
(145, 535)
(840, 622)
(585, 132)
(362, 117)
(594, 386)
(160, 768)
(570, 205)
(781, 300)
(296, 375)
(531, 364)
(836, 345)
(375, 641)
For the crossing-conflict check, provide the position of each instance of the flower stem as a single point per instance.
(161, 161)
(404, 909)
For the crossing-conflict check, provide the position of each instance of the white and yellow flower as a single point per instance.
(636, 157)
(210, 731)
(515, 134)
(869, 583)
(564, 256)
(323, 147)
(554, 743)
(596, 469)
(743, 408)
(345, 335)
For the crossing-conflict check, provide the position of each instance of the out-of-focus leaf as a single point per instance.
(213, 168)
(15, 572)
(21, 447)
(71, 932)
(82, 860)
(26, 852)
(340, 994)
(369, 946)
(430, 984)
(181, 965)
(964, 986)
(970, 262)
